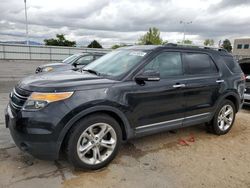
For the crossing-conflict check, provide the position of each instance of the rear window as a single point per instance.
(197, 63)
(245, 67)
(232, 64)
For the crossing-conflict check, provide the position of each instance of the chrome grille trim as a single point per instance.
(15, 106)
(19, 96)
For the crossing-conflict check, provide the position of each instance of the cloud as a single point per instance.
(226, 4)
(112, 21)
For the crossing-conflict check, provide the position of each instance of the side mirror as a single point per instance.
(75, 64)
(149, 75)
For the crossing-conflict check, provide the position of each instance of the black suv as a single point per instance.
(130, 92)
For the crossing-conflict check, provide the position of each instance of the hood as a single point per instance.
(53, 65)
(57, 66)
(63, 81)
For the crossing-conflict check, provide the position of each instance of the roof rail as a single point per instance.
(195, 46)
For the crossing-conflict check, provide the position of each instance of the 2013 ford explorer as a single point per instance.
(130, 92)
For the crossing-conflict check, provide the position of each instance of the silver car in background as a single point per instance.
(73, 62)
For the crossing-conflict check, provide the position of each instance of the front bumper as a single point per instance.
(37, 141)
(247, 98)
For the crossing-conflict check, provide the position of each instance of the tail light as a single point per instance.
(243, 77)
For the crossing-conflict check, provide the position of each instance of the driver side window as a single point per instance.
(85, 60)
(167, 64)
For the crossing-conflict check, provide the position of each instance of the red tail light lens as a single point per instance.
(243, 77)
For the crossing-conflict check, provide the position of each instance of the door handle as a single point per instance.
(219, 81)
(179, 85)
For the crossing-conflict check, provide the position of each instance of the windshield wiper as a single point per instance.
(91, 71)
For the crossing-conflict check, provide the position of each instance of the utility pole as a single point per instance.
(184, 29)
(26, 23)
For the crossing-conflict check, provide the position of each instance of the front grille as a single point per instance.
(17, 98)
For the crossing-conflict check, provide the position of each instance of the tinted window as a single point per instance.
(246, 46)
(239, 46)
(196, 63)
(232, 64)
(167, 63)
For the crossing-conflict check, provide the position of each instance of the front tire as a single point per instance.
(224, 118)
(94, 141)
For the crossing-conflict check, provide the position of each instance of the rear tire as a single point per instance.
(224, 118)
(94, 141)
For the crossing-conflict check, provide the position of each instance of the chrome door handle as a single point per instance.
(219, 81)
(179, 85)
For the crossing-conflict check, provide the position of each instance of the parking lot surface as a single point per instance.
(191, 157)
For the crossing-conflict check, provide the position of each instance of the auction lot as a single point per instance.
(189, 158)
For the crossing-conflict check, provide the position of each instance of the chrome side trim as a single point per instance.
(174, 120)
(160, 123)
(197, 115)
(219, 81)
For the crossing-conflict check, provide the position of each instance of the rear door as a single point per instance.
(202, 86)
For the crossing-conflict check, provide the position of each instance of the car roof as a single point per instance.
(92, 53)
(219, 51)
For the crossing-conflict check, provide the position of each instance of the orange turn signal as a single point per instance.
(50, 97)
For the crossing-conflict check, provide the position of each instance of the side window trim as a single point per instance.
(186, 67)
(166, 51)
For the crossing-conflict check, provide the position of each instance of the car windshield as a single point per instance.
(69, 59)
(116, 63)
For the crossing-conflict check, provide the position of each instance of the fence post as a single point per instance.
(29, 52)
(50, 54)
(4, 52)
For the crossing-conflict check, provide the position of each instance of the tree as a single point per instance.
(187, 42)
(227, 45)
(115, 46)
(151, 37)
(209, 42)
(94, 44)
(59, 41)
(118, 46)
(165, 42)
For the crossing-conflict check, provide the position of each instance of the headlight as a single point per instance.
(47, 69)
(40, 100)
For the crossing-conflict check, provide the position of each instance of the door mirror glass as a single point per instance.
(148, 75)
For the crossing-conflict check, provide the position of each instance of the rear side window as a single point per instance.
(232, 64)
(196, 63)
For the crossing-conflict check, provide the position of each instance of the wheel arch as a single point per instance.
(119, 116)
(233, 97)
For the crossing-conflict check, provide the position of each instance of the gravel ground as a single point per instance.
(153, 161)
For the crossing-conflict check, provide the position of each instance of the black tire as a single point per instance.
(214, 127)
(79, 128)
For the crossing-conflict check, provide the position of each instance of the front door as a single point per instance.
(159, 105)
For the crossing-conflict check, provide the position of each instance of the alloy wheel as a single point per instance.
(96, 143)
(225, 117)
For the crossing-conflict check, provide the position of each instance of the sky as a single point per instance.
(124, 21)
